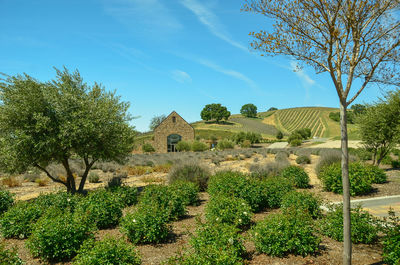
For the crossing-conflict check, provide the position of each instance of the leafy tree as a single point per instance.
(272, 109)
(358, 109)
(279, 135)
(215, 112)
(156, 120)
(355, 42)
(380, 126)
(249, 110)
(41, 123)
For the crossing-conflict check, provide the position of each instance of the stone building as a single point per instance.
(169, 132)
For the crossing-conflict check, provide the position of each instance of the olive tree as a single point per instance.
(53, 122)
(356, 42)
(215, 112)
(249, 110)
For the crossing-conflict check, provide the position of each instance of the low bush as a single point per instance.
(297, 176)
(225, 144)
(328, 158)
(139, 170)
(103, 207)
(331, 177)
(361, 153)
(295, 142)
(183, 146)
(268, 170)
(282, 234)
(227, 209)
(192, 172)
(303, 159)
(6, 200)
(127, 195)
(274, 189)
(93, 177)
(281, 156)
(187, 191)
(364, 228)
(146, 224)
(114, 182)
(9, 256)
(148, 148)
(387, 160)
(304, 200)
(279, 135)
(17, 222)
(107, 251)
(11, 182)
(395, 163)
(198, 146)
(245, 144)
(58, 236)
(373, 173)
(391, 240)
(63, 201)
(165, 199)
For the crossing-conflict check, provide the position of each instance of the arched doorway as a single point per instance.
(172, 140)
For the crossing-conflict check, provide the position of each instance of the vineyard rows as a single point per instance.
(293, 119)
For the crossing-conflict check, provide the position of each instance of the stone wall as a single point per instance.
(173, 124)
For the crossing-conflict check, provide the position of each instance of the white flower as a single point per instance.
(243, 204)
(240, 220)
(217, 219)
(230, 241)
(68, 200)
(245, 213)
(134, 220)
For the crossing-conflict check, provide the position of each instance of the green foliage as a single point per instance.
(295, 142)
(58, 235)
(198, 146)
(272, 109)
(304, 132)
(250, 136)
(62, 201)
(391, 240)
(358, 109)
(364, 228)
(215, 112)
(6, 200)
(373, 173)
(360, 177)
(165, 199)
(335, 116)
(228, 209)
(93, 177)
(304, 201)
(50, 122)
(225, 144)
(183, 146)
(279, 135)
(295, 139)
(249, 110)
(187, 191)
(281, 234)
(127, 195)
(156, 120)
(148, 148)
(328, 158)
(362, 153)
(104, 208)
(146, 224)
(9, 256)
(303, 159)
(17, 222)
(245, 144)
(297, 176)
(395, 164)
(275, 188)
(108, 251)
(192, 172)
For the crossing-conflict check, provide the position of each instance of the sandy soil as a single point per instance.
(336, 144)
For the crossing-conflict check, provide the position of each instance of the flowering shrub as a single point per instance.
(230, 210)
(6, 200)
(187, 191)
(391, 240)
(9, 256)
(305, 201)
(297, 175)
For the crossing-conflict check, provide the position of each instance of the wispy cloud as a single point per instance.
(211, 21)
(152, 15)
(181, 76)
(306, 81)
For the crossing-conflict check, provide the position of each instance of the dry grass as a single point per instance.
(153, 179)
(42, 182)
(11, 182)
(138, 170)
(165, 168)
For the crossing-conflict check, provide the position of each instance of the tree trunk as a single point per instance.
(346, 186)
(70, 177)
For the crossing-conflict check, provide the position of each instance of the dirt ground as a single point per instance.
(330, 250)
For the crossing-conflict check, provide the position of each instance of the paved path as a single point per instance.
(278, 145)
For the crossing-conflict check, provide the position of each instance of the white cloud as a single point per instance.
(211, 21)
(181, 76)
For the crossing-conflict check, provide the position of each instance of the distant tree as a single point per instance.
(148, 148)
(156, 120)
(279, 135)
(358, 109)
(272, 108)
(249, 110)
(215, 112)
(50, 122)
(380, 126)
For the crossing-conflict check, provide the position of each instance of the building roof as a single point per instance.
(173, 113)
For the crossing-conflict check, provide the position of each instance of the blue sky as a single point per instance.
(160, 55)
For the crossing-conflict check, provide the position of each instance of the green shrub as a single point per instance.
(107, 252)
(236, 184)
(148, 148)
(374, 173)
(391, 240)
(387, 160)
(9, 256)
(304, 132)
(279, 135)
(103, 207)
(17, 222)
(59, 235)
(274, 189)
(225, 144)
(63, 201)
(396, 164)
(146, 224)
(187, 191)
(93, 177)
(328, 158)
(127, 195)
(304, 200)
(198, 146)
(165, 199)
(183, 146)
(245, 144)
(362, 153)
(297, 176)
(6, 200)
(295, 142)
(114, 182)
(192, 172)
(227, 209)
(364, 228)
(331, 177)
(303, 159)
(282, 234)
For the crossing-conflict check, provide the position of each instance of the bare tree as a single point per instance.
(355, 41)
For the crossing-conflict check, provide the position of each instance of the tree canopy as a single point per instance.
(156, 120)
(215, 112)
(249, 110)
(52, 122)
